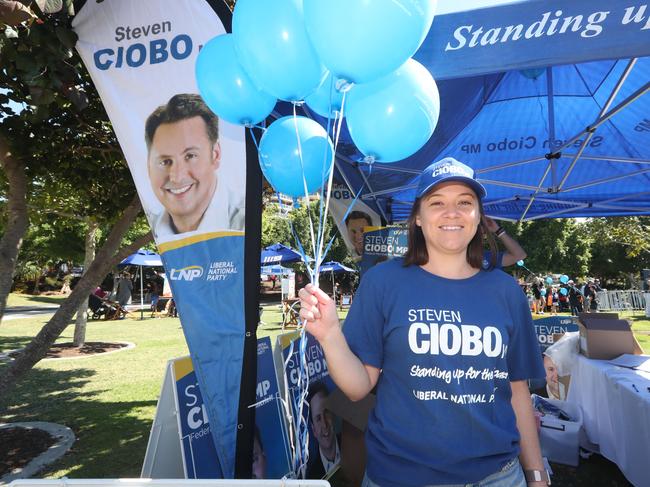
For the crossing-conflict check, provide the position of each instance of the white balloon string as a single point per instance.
(331, 178)
(314, 276)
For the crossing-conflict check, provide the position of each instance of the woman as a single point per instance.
(448, 345)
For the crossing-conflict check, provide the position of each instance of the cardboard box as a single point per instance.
(560, 440)
(604, 337)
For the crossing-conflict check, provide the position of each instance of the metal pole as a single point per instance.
(141, 292)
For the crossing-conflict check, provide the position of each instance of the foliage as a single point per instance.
(276, 228)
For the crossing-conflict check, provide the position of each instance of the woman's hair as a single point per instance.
(417, 253)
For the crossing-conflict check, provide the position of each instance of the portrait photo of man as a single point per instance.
(355, 223)
(321, 421)
(183, 161)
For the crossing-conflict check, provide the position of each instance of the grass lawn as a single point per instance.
(16, 299)
(109, 401)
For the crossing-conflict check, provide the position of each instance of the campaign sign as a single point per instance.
(199, 453)
(271, 454)
(383, 244)
(547, 327)
(317, 371)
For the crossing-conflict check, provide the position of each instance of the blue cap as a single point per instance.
(449, 169)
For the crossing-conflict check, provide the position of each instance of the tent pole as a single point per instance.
(586, 140)
(596, 182)
(551, 121)
(141, 292)
(365, 180)
(532, 198)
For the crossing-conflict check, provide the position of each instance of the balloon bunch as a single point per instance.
(344, 59)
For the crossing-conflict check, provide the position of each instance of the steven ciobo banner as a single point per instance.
(189, 168)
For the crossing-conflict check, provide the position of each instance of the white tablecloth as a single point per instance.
(616, 416)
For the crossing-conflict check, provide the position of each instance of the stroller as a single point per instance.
(107, 310)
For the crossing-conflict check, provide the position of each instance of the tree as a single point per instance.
(61, 144)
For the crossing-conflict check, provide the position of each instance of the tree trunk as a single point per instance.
(105, 260)
(80, 323)
(17, 219)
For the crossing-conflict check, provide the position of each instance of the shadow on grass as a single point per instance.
(43, 299)
(13, 342)
(111, 436)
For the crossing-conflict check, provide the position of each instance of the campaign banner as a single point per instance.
(380, 244)
(351, 222)
(553, 325)
(324, 449)
(529, 34)
(190, 171)
(199, 455)
(271, 449)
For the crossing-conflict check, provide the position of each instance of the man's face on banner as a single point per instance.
(322, 423)
(355, 232)
(182, 170)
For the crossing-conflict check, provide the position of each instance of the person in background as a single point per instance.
(575, 298)
(404, 335)
(513, 251)
(124, 289)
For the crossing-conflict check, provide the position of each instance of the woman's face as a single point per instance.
(449, 216)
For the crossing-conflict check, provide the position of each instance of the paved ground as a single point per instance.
(16, 312)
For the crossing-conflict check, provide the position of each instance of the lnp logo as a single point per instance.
(188, 273)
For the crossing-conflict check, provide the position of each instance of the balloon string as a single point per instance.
(314, 277)
(321, 212)
(328, 193)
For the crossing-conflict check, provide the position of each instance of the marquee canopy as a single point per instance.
(547, 100)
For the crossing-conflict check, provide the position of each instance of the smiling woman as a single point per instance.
(448, 345)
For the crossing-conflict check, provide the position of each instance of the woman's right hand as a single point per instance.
(319, 312)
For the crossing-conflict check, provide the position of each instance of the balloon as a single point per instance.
(532, 73)
(549, 280)
(226, 88)
(542, 292)
(280, 160)
(520, 263)
(274, 48)
(326, 99)
(362, 40)
(391, 118)
(564, 291)
(564, 278)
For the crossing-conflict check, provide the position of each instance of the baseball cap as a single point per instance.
(448, 169)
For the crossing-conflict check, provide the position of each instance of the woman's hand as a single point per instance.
(319, 311)
(491, 225)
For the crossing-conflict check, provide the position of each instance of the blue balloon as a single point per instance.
(280, 159)
(226, 88)
(542, 292)
(549, 280)
(564, 291)
(564, 278)
(532, 73)
(326, 99)
(273, 46)
(391, 118)
(520, 263)
(362, 40)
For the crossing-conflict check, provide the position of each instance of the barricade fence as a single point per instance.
(621, 300)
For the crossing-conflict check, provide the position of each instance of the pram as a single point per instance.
(108, 310)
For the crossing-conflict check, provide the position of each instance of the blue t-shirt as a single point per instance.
(447, 350)
(498, 264)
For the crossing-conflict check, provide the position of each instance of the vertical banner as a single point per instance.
(190, 170)
(351, 221)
